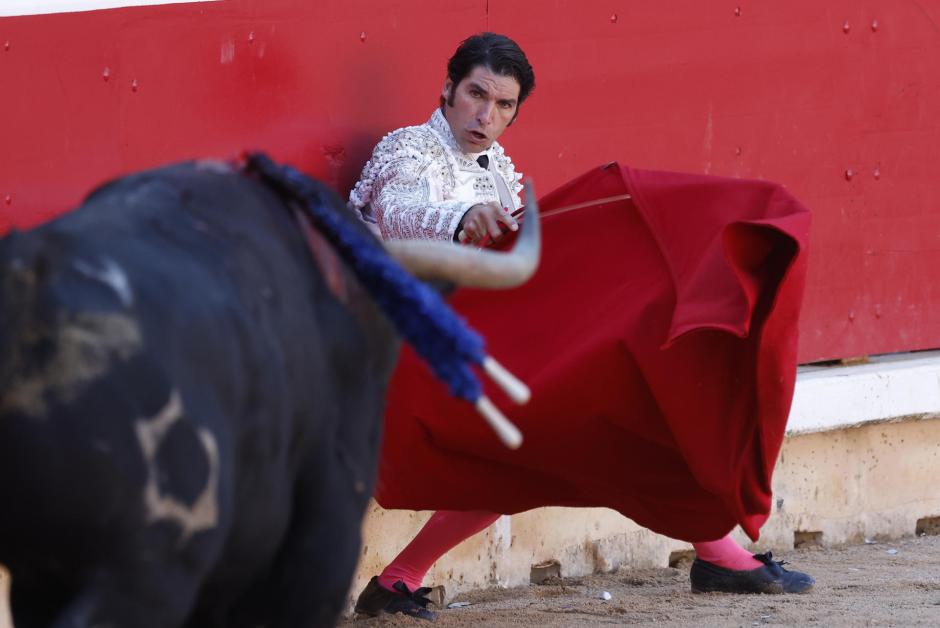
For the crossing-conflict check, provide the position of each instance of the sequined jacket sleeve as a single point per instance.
(409, 184)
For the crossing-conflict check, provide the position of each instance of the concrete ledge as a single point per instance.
(887, 388)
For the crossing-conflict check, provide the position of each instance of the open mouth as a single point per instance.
(476, 135)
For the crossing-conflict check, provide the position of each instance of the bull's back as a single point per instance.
(167, 352)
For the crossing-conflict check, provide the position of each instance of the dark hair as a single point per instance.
(496, 52)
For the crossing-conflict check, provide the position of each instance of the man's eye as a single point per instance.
(475, 93)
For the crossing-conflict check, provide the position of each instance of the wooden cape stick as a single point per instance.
(462, 237)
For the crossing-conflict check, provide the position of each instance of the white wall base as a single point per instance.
(888, 388)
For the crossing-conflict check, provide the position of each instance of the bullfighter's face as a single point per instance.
(480, 107)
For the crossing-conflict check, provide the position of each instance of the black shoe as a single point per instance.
(771, 578)
(377, 600)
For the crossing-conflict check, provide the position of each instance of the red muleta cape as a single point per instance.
(659, 339)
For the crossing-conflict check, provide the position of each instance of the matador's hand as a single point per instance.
(485, 219)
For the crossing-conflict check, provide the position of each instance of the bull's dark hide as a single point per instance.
(189, 410)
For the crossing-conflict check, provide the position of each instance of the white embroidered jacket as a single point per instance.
(419, 184)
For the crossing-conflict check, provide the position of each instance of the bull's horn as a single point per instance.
(472, 267)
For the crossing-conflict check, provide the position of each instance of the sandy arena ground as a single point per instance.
(888, 583)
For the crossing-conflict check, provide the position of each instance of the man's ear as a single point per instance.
(445, 91)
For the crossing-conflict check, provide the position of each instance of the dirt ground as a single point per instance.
(888, 583)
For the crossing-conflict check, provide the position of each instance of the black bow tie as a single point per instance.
(484, 162)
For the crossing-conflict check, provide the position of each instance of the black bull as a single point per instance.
(190, 410)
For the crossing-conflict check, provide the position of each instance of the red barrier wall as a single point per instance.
(838, 100)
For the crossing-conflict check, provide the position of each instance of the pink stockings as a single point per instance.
(446, 528)
(725, 552)
(443, 531)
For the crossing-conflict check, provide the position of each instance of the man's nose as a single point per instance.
(485, 113)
